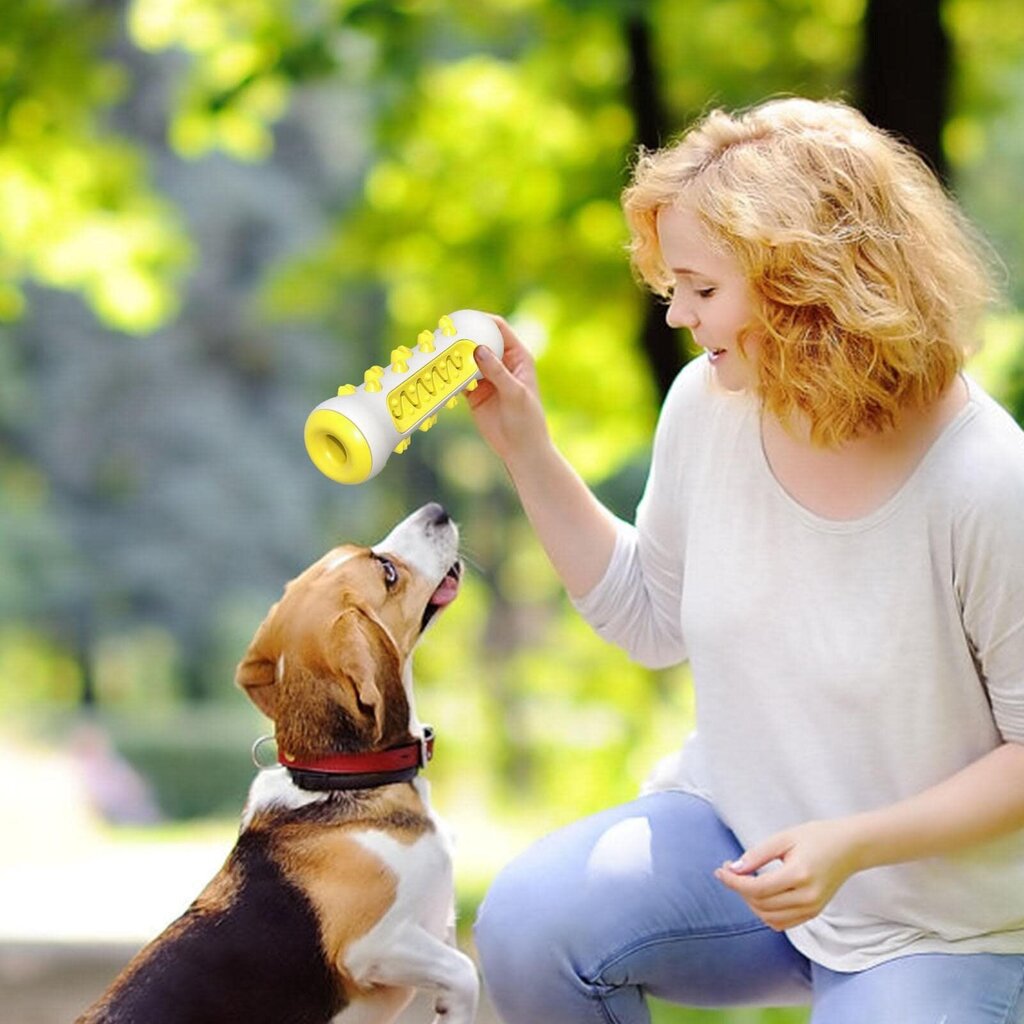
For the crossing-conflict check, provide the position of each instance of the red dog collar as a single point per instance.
(394, 759)
(358, 771)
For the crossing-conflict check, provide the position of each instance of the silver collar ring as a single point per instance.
(257, 747)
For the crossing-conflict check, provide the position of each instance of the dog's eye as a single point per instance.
(389, 570)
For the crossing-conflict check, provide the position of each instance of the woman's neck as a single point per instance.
(858, 477)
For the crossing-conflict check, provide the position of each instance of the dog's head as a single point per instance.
(327, 664)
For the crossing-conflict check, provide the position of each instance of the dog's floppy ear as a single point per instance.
(364, 653)
(256, 674)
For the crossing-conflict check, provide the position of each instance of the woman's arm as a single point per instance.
(626, 581)
(574, 528)
(982, 802)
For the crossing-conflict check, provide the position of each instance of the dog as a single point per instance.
(336, 902)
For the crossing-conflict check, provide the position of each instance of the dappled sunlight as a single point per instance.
(625, 849)
(213, 210)
(999, 361)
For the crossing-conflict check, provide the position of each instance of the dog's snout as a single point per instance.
(428, 539)
(437, 514)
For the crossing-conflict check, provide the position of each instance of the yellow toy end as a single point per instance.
(337, 447)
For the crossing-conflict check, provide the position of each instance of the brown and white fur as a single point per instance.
(332, 905)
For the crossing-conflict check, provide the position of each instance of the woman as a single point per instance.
(833, 535)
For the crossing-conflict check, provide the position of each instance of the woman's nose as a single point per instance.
(681, 313)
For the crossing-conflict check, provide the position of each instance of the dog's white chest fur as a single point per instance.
(423, 870)
(273, 787)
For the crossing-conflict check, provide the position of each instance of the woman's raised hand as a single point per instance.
(506, 405)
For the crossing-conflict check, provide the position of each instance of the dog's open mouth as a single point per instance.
(446, 592)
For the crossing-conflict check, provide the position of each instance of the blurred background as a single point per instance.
(214, 212)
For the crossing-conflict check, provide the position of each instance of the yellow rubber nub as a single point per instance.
(400, 359)
(337, 447)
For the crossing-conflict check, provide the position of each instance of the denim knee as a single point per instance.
(519, 934)
(506, 931)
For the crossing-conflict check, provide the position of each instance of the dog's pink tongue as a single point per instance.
(446, 592)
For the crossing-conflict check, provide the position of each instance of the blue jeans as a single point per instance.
(623, 904)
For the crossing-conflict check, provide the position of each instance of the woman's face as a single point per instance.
(710, 297)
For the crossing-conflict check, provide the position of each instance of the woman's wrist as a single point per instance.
(528, 459)
(864, 842)
(576, 531)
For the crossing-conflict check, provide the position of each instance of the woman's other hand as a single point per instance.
(816, 858)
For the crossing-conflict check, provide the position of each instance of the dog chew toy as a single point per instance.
(351, 436)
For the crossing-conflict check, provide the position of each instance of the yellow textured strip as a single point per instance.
(432, 385)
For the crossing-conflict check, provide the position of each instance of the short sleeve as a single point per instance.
(989, 553)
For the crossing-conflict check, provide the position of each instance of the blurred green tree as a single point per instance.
(500, 136)
(77, 209)
(484, 144)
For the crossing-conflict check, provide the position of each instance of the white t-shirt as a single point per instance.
(838, 666)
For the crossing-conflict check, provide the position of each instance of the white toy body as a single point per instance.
(351, 436)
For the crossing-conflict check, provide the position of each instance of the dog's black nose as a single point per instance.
(437, 515)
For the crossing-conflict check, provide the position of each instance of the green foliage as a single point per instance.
(497, 136)
(35, 673)
(737, 52)
(35, 559)
(999, 364)
(503, 131)
(664, 1013)
(245, 55)
(76, 210)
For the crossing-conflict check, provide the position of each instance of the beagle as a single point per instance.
(336, 903)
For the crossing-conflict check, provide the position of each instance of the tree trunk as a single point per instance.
(661, 345)
(905, 72)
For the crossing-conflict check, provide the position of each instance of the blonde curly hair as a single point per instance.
(868, 279)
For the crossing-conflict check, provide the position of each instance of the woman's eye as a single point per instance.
(705, 293)
(390, 572)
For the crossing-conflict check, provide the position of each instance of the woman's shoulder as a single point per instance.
(700, 422)
(985, 463)
(694, 390)
(691, 384)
